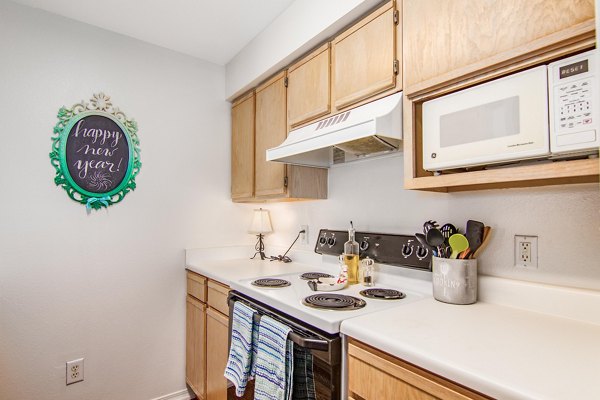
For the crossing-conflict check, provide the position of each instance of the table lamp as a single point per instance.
(261, 224)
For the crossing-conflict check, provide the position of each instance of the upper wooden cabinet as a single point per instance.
(242, 148)
(271, 131)
(259, 122)
(365, 58)
(308, 91)
(448, 39)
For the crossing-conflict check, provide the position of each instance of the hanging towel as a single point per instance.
(254, 349)
(274, 363)
(240, 353)
(289, 370)
(303, 382)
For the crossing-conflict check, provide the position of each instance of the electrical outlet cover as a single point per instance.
(304, 236)
(526, 251)
(74, 371)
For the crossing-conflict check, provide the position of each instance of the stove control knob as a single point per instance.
(364, 245)
(407, 250)
(322, 240)
(422, 252)
(331, 241)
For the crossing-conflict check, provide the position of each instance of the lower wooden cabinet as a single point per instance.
(375, 375)
(217, 327)
(207, 336)
(195, 345)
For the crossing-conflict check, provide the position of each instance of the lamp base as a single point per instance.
(260, 248)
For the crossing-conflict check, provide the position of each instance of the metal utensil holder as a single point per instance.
(454, 280)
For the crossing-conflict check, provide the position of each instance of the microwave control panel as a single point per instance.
(573, 88)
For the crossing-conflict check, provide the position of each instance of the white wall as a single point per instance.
(565, 218)
(302, 26)
(108, 286)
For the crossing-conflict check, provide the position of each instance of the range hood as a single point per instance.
(369, 130)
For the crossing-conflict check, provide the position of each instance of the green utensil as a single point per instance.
(458, 243)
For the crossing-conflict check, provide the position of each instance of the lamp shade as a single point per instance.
(261, 222)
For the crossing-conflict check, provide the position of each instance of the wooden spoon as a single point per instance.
(487, 232)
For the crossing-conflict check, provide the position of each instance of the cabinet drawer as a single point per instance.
(392, 378)
(217, 297)
(196, 286)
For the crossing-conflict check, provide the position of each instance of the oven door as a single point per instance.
(325, 348)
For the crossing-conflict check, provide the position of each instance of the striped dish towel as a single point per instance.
(304, 383)
(240, 352)
(274, 363)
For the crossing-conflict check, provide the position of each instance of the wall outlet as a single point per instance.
(74, 371)
(526, 251)
(304, 236)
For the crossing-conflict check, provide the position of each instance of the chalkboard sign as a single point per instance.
(95, 152)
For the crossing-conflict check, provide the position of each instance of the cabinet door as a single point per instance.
(308, 87)
(394, 379)
(217, 334)
(462, 36)
(364, 58)
(271, 131)
(195, 349)
(242, 148)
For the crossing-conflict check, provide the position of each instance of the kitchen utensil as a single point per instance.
(422, 240)
(474, 234)
(487, 232)
(458, 243)
(435, 239)
(448, 230)
(429, 225)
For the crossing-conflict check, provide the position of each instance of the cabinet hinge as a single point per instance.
(285, 182)
(285, 81)
(396, 67)
(396, 17)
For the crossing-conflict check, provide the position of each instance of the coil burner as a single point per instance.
(271, 283)
(314, 275)
(384, 294)
(334, 302)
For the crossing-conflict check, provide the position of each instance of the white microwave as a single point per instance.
(543, 112)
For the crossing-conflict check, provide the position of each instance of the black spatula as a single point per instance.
(474, 234)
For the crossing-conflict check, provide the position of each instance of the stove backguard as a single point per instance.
(384, 248)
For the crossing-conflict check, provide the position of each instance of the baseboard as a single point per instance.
(184, 394)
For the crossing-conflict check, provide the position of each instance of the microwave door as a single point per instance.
(500, 121)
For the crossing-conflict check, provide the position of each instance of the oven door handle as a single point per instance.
(308, 343)
(305, 342)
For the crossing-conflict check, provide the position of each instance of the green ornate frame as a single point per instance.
(99, 104)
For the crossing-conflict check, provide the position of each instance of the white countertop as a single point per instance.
(504, 352)
(520, 341)
(229, 265)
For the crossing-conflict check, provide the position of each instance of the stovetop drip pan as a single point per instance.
(334, 302)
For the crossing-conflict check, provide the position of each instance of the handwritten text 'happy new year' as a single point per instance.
(102, 143)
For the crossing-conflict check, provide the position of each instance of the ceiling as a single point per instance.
(212, 30)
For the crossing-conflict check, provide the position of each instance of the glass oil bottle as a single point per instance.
(351, 252)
